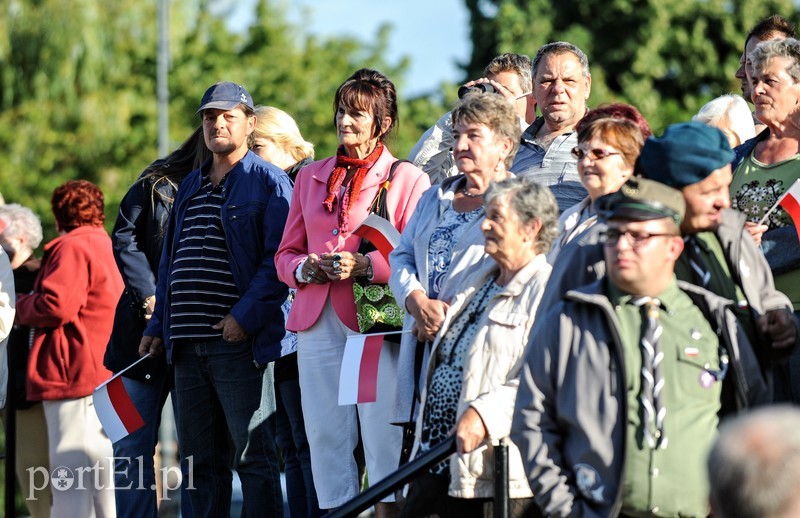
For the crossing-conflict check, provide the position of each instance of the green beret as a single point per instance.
(640, 199)
(685, 154)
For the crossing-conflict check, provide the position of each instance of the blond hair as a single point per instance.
(278, 126)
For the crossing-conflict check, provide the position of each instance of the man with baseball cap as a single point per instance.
(619, 401)
(218, 310)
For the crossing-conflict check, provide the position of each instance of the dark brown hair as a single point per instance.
(767, 28)
(370, 91)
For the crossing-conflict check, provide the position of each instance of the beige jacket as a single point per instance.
(491, 377)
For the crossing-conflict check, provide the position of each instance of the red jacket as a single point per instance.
(72, 308)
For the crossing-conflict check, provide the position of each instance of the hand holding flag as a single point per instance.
(380, 232)
(790, 202)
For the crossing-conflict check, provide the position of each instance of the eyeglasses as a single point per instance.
(611, 237)
(593, 154)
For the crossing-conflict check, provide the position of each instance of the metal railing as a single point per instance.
(413, 469)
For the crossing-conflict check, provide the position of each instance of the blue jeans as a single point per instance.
(291, 439)
(222, 395)
(134, 474)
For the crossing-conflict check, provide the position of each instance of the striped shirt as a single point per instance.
(553, 166)
(202, 285)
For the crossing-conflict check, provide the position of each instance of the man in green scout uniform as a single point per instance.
(619, 401)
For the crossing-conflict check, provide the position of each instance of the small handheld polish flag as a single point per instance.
(114, 407)
(380, 232)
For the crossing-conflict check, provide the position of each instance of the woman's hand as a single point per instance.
(470, 431)
(428, 314)
(756, 231)
(312, 270)
(338, 266)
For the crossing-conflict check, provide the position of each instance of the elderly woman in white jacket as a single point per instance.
(473, 373)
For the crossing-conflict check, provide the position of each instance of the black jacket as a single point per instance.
(138, 239)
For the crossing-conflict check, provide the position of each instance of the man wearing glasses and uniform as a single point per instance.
(619, 402)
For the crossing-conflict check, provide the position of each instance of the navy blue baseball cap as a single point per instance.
(685, 154)
(225, 96)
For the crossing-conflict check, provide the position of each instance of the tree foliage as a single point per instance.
(667, 57)
(78, 86)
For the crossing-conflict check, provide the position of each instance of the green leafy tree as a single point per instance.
(667, 57)
(78, 86)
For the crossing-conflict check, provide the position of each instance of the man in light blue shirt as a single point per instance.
(561, 85)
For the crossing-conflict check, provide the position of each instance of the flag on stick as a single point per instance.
(380, 232)
(114, 407)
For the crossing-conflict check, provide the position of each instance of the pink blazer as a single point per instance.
(310, 229)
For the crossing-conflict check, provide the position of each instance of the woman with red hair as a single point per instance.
(72, 310)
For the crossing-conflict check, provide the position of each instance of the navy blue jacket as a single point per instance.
(256, 202)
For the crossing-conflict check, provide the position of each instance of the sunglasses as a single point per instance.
(593, 154)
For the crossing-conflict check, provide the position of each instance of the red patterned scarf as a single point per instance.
(354, 187)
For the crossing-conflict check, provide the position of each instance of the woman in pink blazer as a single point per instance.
(318, 256)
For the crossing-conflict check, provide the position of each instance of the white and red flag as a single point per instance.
(380, 232)
(358, 379)
(115, 409)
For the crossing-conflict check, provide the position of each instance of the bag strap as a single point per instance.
(378, 205)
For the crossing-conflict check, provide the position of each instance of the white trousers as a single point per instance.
(332, 430)
(82, 470)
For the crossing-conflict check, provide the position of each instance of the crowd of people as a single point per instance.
(611, 301)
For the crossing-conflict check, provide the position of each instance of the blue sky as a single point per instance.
(433, 33)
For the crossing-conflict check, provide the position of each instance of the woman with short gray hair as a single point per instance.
(473, 373)
(22, 234)
(765, 167)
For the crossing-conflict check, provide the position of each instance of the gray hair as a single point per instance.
(519, 64)
(21, 221)
(530, 201)
(788, 48)
(494, 112)
(754, 467)
(561, 47)
(731, 114)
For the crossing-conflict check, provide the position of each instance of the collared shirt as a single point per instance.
(713, 262)
(670, 481)
(201, 283)
(553, 166)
